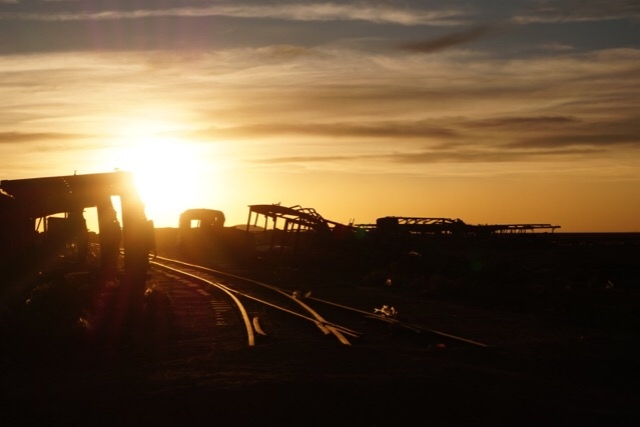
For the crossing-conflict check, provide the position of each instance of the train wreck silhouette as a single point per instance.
(35, 238)
(34, 241)
(299, 234)
(300, 225)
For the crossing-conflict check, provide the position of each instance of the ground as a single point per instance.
(564, 355)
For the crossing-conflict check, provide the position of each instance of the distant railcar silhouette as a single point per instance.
(203, 236)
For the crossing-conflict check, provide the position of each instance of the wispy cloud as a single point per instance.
(305, 159)
(615, 133)
(282, 104)
(523, 123)
(30, 137)
(542, 11)
(378, 129)
(369, 12)
(468, 155)
(450, 40)
(440, 155)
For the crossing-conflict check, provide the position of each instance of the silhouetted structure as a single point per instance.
(28, 201)
(198, 230)
(298, 224)
(295, 229)
(202, 236)
(202, 218)
(392, 225)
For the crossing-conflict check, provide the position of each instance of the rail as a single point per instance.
(324, 325)
(243, 312)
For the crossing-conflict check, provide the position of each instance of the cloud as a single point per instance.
(624, 133)
(369, 12)
(283, 51)
(382, 129)
(28, 137)
(578, 11)
(556, 133)
(522, 123)
(449, 154)
(471, 155)
(458, 140)
(449, 40)
(335, 105)
(304, 159)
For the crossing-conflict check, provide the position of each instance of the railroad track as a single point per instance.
(250, 305)
(260, 312)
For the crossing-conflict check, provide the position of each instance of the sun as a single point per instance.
(169, 175)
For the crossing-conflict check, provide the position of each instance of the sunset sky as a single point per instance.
(499, 112)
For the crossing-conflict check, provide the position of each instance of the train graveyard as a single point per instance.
(559, 319)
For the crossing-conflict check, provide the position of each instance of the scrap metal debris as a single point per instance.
(386, 311)
(297, 294)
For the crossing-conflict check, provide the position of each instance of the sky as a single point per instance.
(493, 111)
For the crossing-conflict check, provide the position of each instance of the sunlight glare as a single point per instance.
(169, 176)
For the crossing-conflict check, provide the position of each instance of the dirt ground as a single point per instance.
(557, 355)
